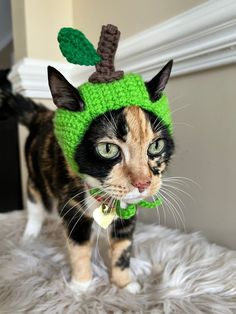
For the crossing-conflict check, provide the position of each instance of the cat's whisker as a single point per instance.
(121, 219)
(179, 217)
(176, 100)
(77, 194)
(69, 235)
(175, 200)
(88, 208)
(114, 221)
(183, 124)
(67, 212)
(168, 206)
(80, 217)
(108, 238)
(116, 194)
(97, 242)
(156, 127)
(114, 129)
(180, 108)
(165, 203)
(82, 203)
(83, 213)
(174, 195)
(113, 120)
(160, 128)
(164, 212)
(113, 201)
(76, 204)
(178, 189)
(160, 122)
(168, 193)
(181, 179)
(157, 120)
(178, 182)
(158, 214)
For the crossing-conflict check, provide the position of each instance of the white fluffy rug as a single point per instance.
(194, 276)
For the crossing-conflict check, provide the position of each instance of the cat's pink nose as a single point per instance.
(142, 185)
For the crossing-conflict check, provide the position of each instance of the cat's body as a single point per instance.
(123, 153)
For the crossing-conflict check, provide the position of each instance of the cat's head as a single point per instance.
(123, 151)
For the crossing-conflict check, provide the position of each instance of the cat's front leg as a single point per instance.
(81, 270)
(121, 246)
(78, 229)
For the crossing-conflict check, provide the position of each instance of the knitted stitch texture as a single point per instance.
(108, 42)
(70, 126)
(76, 48)
(126, 213)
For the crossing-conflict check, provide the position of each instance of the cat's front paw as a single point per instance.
(133, 287)
(79, 287)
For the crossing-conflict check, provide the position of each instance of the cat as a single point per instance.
(124, 153)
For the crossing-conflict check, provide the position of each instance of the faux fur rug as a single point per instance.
(179, 273)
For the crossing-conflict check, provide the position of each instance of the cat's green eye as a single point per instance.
(156, 148)
(108, 150)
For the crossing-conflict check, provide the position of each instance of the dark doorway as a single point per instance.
(10, 177)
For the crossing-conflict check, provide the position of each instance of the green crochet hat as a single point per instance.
(106, 90)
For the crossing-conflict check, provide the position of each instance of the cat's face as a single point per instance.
(124, 152)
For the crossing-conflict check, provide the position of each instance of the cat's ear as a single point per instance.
(63, 93)
(158, 83)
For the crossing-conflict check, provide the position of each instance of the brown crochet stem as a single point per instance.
(107, 46)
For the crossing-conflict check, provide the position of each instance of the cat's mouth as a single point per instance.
(134, 196)
(109, 193)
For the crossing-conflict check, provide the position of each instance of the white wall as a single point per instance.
(5, 23)
(204, 130)
(130, 16)
(35, 27)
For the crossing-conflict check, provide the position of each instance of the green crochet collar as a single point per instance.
(131, 209)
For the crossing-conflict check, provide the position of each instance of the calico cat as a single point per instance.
(123, 153)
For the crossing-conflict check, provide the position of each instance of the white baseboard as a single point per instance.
(198, 39)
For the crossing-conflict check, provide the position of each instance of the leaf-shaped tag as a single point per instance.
(76, 48)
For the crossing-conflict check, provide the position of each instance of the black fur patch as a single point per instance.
(24, 109)
(32, 148)
(113, 124)
(123, 228)
(124, 260)
(78, 227)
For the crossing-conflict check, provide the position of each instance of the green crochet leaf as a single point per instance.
(76, 48)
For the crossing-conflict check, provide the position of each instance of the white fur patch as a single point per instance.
(36, 215)
(79, 287)
(133, 197)
(133, 287)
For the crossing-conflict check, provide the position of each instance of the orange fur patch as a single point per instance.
(80, 257)
(134, 165)
(118, 276)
